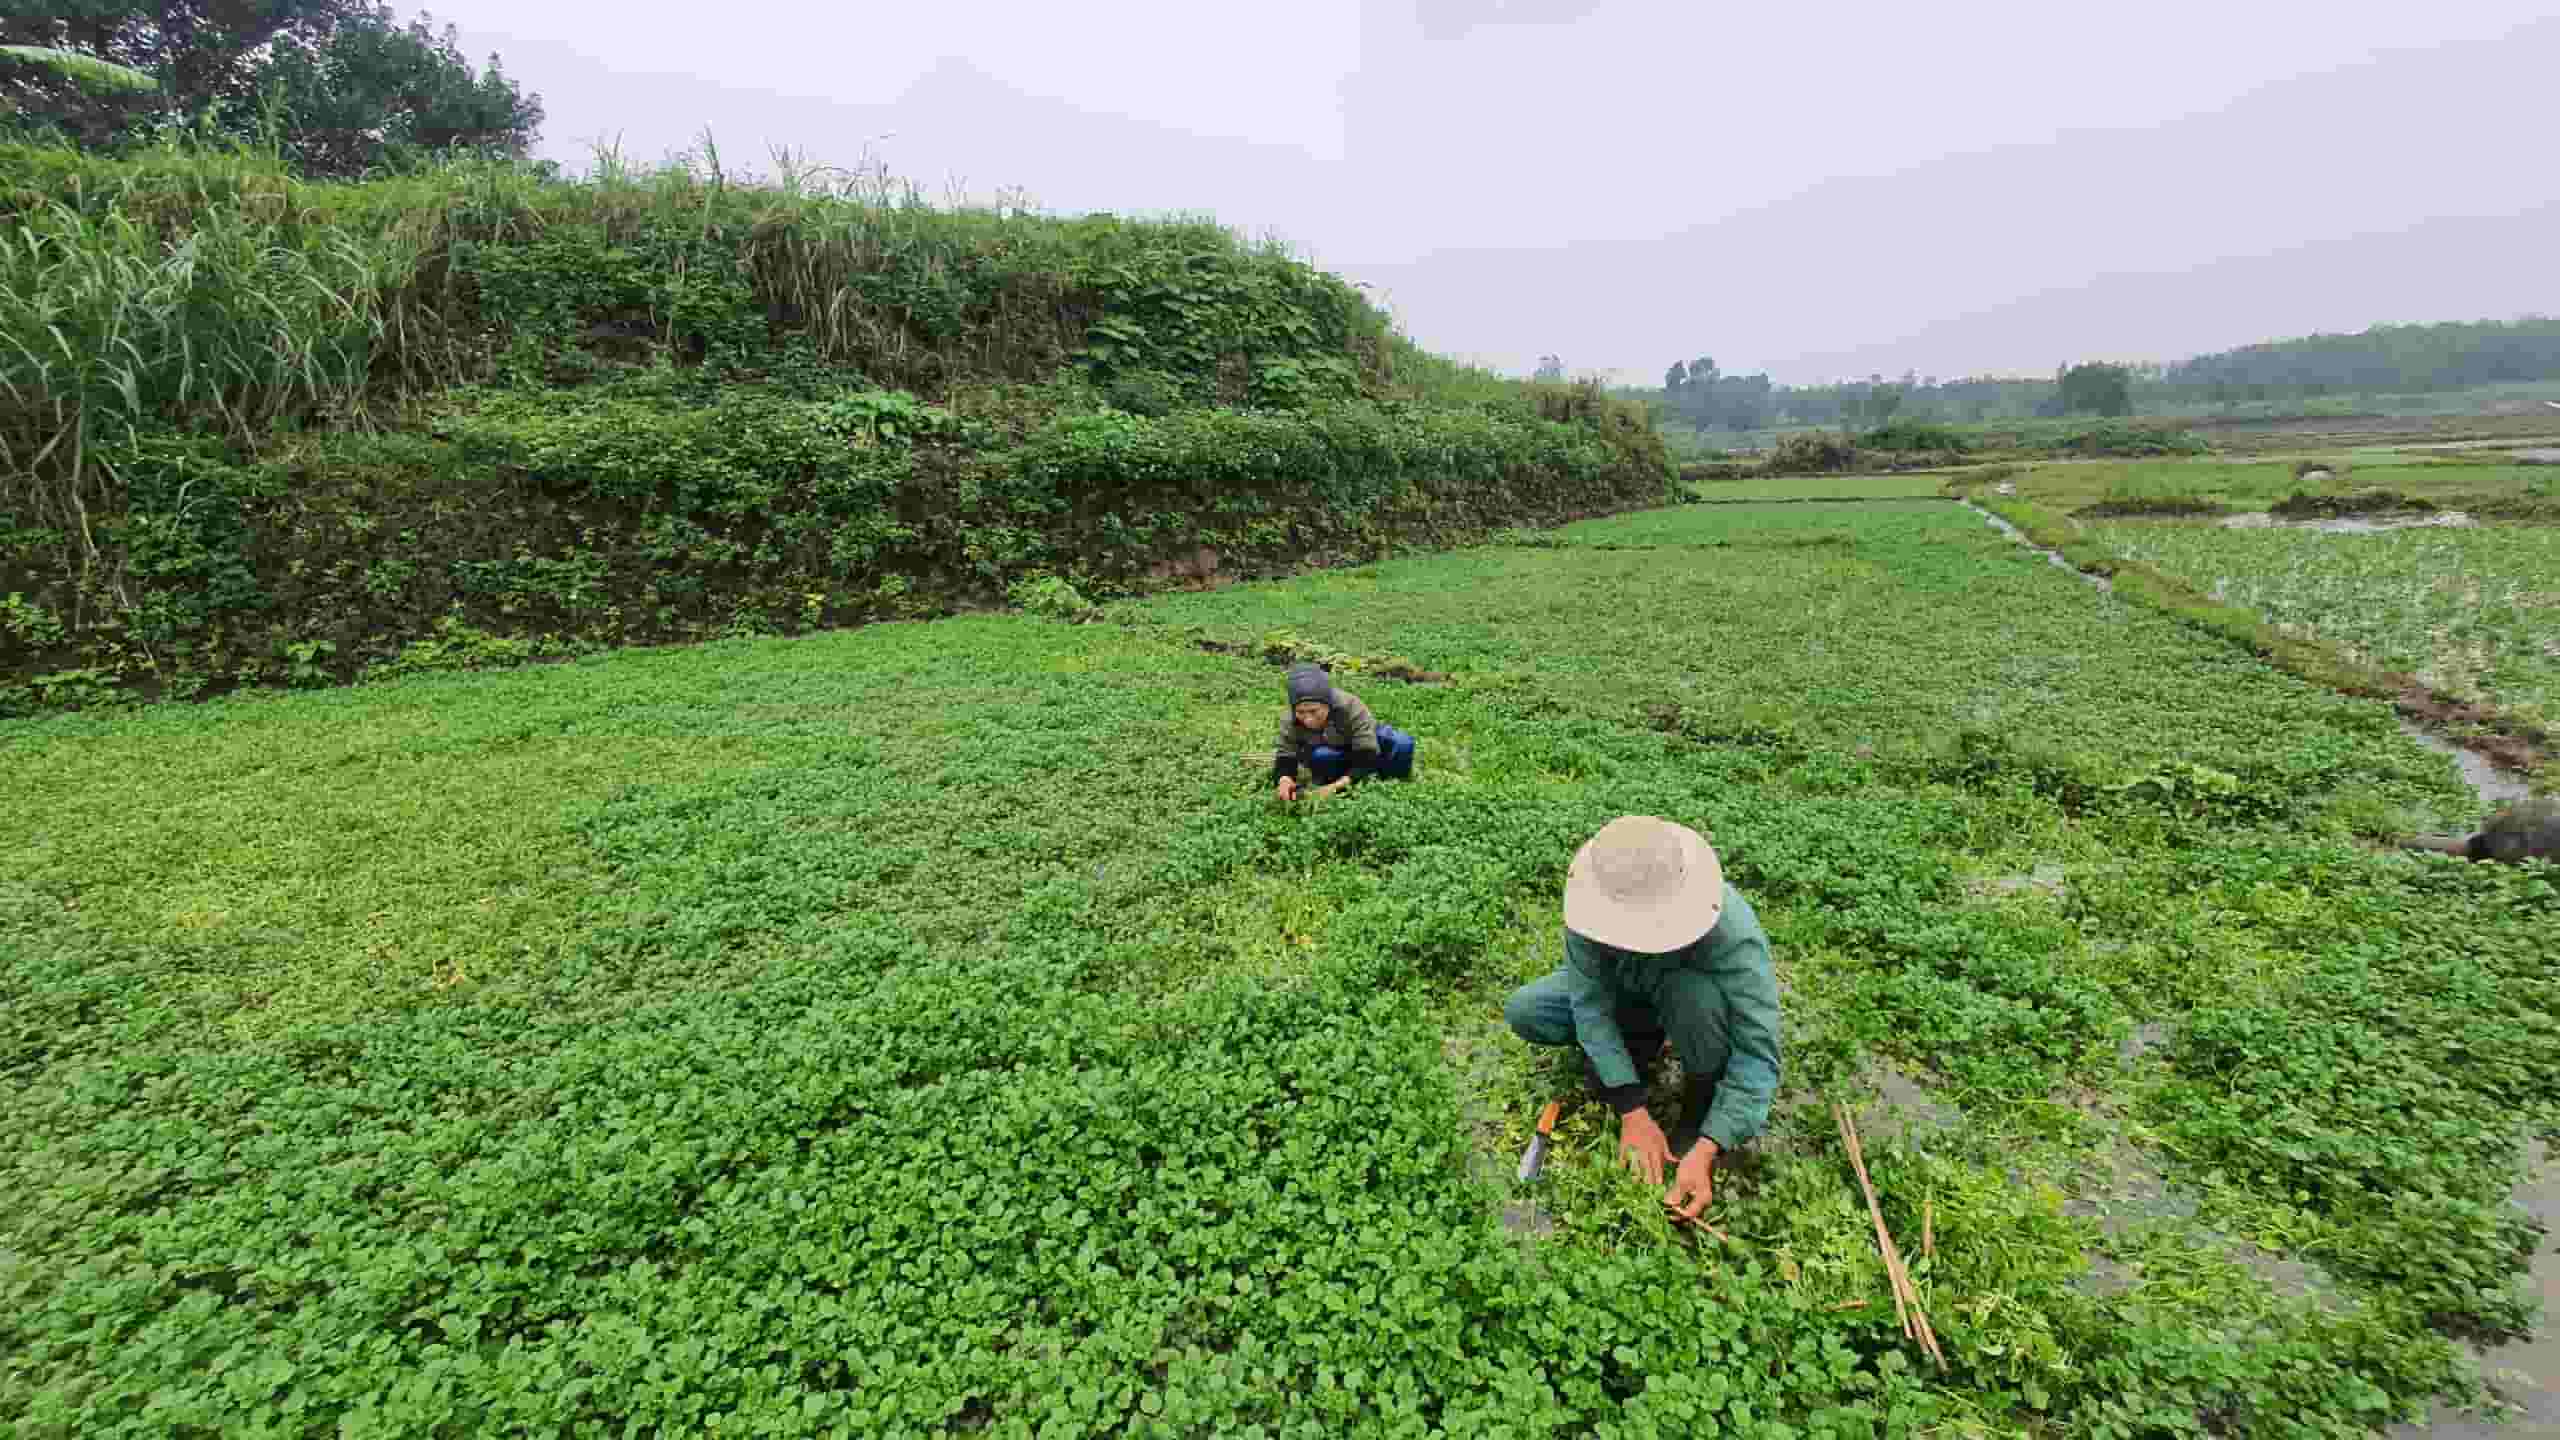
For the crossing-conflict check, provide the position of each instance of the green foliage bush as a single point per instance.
(315, 300)
(602, 516)
(1050, 596)
(1903, 435)
(29, 625)
(1710, 471)
(1143, 392)
(2121, 439)
(1812, 452)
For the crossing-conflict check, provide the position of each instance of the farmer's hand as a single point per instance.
(1288, 788)
(1337, 787)
(1694, 1186)
(1641, 1146)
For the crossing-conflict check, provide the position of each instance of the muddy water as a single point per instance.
(2525, 1374)
(2053, 557)
(2352, 524)
(2495, 786)
(2507, 443)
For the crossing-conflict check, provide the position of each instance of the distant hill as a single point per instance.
(2386, 359)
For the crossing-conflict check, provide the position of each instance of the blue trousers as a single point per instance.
(1395, 758)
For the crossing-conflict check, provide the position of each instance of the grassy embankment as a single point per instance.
(262, 431)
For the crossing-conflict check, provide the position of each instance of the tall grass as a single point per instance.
(213, 290)
(1418, 374)
(230, 306)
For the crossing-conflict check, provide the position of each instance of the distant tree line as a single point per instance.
(1712, 400)
(2386, 359)
(340, 87)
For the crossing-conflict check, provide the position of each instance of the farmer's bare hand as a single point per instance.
(1693, 1187)
(1641, 1146)
(1288, 788)
(1337, 787)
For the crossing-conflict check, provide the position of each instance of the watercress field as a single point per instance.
(2472, 612)
(936, 1027)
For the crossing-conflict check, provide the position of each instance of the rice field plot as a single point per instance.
(2472, 611)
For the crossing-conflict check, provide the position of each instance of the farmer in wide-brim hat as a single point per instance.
(1335, 737)
(1656, 942)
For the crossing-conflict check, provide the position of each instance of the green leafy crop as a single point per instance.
(939, 1028)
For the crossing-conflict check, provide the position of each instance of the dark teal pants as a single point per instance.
(1685, 1007)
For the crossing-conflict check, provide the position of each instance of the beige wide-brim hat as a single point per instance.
(1644, 884)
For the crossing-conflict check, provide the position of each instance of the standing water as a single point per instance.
(2053, 557)
(2525, 1373)
(2495, 786)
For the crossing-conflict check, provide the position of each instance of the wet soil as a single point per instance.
(2124, 1187)
(1281, 655)
(2149, 509)
(2047, 878)
(2054, 557)
(2495, 786)
(1476, 1060)
(2369, 523)
(2146, 1037)
(1902, 1110)
(2494, 760)
(2525, 1374)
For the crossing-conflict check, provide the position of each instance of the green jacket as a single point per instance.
(1349, 728)
(1734, 958)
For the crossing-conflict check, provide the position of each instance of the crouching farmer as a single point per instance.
(1656, 943)
(1335, 737)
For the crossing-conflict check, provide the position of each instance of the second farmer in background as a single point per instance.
(1333, 734)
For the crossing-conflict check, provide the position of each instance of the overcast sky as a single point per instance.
(1814, 190)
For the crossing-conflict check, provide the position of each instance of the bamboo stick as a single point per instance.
(1906, 1297)
(1875, 1212)
(1885, 1251)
